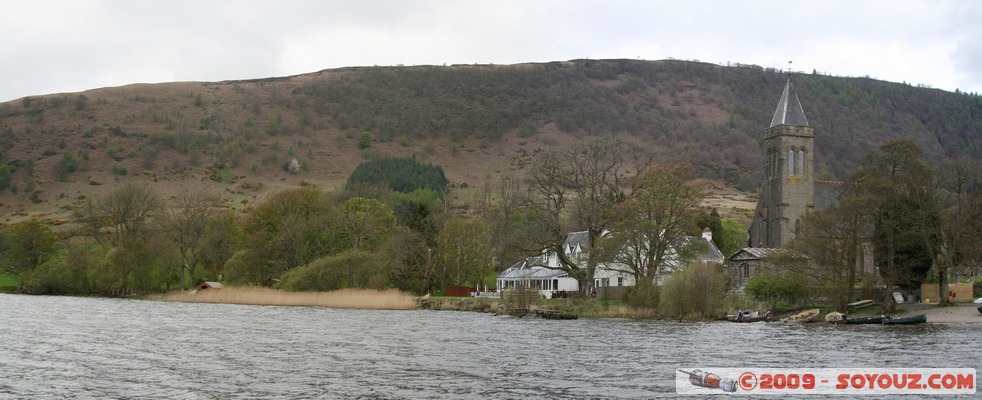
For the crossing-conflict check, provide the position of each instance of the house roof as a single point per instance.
(531, 268)
(789, 111)
(711, 252)
(752, 253)
(212, 285)
(576, 241)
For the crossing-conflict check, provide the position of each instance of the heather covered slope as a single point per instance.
(239, 138)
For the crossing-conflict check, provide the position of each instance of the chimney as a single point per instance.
(707, 234)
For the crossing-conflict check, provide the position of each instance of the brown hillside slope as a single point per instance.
(478, 122)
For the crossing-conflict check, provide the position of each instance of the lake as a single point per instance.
(58, 347)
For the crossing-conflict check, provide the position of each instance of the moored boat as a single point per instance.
(753, 317)
(835, 317)
(911, 320)
(878, 319)
(861, 303)
(554, 314)
(806, 316)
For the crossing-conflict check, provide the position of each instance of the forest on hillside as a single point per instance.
(713, 112)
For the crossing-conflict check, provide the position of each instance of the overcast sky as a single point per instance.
(75, 45)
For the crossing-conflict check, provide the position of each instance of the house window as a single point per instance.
(746, 270)
(605, 282)
(620, 281)
(801, 161)
(555, 284)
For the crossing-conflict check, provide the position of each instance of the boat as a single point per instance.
(911, 320)
(861, 303)
(878, 319)
(554, 314)
(835, 317)
(750, 317)
(805, 316)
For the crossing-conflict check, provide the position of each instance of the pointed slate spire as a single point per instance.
(789, 111)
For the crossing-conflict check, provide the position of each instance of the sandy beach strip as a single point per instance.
(959, 313)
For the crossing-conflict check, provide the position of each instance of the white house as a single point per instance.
(531, 273)
(542, 272)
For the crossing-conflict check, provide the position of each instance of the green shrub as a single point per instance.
(642, 295)
(774, 285)
(350, 269)
(66, 165)
(696, 291)
(364, 141)
(119, 170)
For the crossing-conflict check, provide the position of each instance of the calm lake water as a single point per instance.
(66, 347)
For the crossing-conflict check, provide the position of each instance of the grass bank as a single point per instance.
(7, 280)
(344, 298)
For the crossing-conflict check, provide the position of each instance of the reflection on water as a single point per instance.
(55, 347)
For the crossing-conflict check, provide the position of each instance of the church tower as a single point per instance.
(788, 189)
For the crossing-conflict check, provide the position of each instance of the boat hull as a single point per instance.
(861, 303)
(911, 320)
(865, 320)
(806, 316)
(763, 318)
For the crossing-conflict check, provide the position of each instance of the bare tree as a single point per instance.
(184, 224)
(957, 231)
(651, 224)
(121, 215)
(833, 240)
(507, 212)
(583, 181)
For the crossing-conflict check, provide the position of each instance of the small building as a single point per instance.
(537, 273)
(208, 285)
(746, 263)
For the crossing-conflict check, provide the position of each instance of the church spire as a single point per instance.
(789, 111)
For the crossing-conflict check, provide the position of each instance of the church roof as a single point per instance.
(789, 111)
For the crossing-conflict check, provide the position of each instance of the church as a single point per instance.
(788, 191)
(788, 188)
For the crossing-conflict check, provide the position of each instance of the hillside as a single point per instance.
(235, 138)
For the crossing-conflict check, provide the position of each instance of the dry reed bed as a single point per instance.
(345, 298)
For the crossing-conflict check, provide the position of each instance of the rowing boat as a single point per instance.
(865, 320)
(806, 316)
(911, 320)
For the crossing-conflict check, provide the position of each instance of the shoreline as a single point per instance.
(958, 313)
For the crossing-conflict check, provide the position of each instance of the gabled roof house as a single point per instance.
(542, 272)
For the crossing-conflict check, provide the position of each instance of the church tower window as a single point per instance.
(791, 161)
(801, 161)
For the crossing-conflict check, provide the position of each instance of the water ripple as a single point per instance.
(58, 347)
